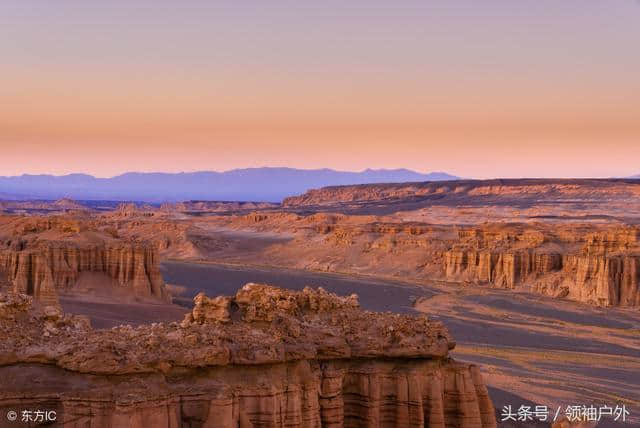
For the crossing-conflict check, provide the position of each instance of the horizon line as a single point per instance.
(196, 171)
(459, 177)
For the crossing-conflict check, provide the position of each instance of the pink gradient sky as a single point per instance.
(479, 89)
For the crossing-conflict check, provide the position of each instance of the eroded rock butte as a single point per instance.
(264, 357)
(44, 256)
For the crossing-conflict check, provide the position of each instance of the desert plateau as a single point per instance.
(445, 301)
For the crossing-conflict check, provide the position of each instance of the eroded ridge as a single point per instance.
(264, 357)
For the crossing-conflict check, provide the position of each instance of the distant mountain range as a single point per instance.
(251, 184)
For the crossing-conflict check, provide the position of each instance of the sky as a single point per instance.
(492, 88)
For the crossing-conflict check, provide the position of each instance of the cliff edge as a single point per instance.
(264, 357)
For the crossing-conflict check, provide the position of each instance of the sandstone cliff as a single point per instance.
(40, 272)
(265, 357)
(42, 256)
(604, 270)
(600, 280)
(591, 263)
(519, 189)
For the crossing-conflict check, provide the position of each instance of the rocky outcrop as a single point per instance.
(600, 280)
(28, 273)
(604, 271)
(265, 357)
(41, 271)
(41, 256)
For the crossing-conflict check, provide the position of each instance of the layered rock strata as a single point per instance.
(600, 280)
(265, 357)
(595, 264)
(41, 256)
(39, 272)
(542, 189)
(603, 270)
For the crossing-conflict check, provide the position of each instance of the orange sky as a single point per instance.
(477, 92)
